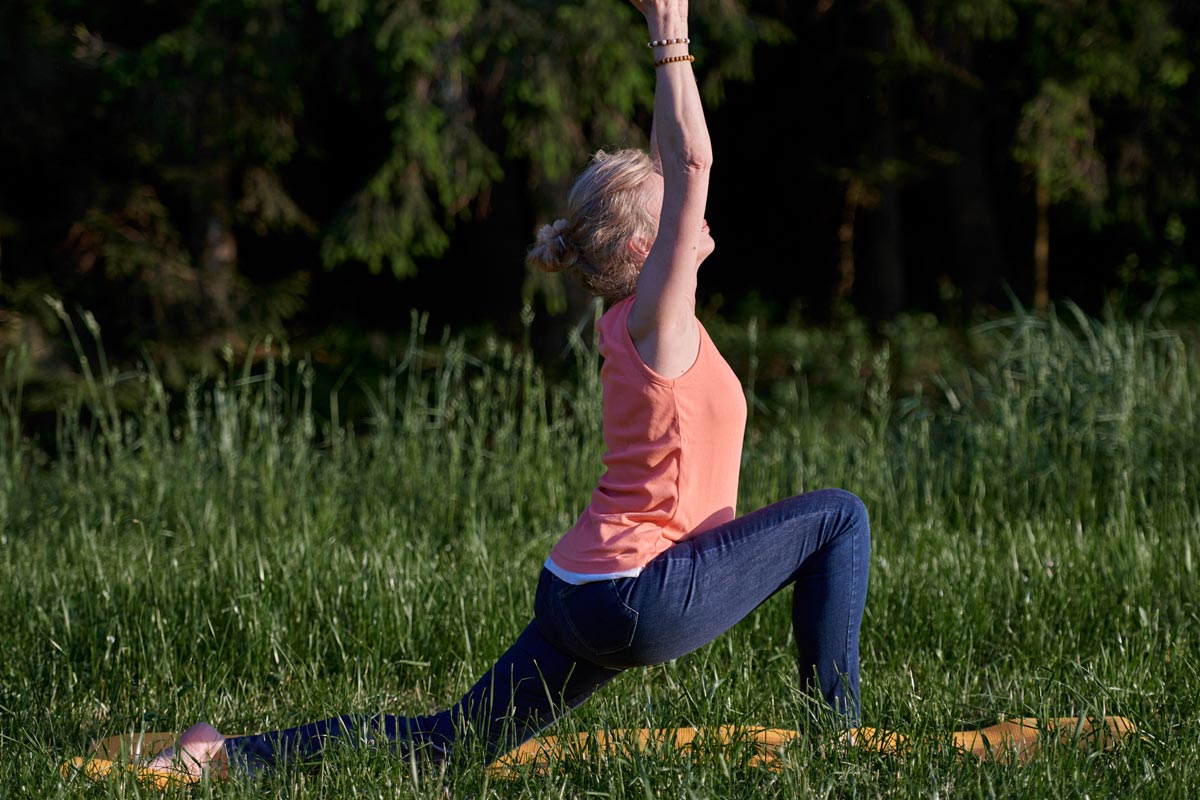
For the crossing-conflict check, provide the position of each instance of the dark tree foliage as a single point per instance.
(203, 173)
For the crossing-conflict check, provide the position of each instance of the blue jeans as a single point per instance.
(584, 636)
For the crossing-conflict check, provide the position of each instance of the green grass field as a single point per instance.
(226, 556)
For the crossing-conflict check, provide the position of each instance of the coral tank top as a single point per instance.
(673, 449)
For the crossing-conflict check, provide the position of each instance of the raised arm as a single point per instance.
(663, 323)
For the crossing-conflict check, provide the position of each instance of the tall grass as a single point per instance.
(230, 556)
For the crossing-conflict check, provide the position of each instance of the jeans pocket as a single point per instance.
(597, 617)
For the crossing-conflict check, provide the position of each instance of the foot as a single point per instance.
(199, 751)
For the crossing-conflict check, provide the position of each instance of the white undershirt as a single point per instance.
(579, 578)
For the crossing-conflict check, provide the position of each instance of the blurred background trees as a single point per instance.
(204, 173)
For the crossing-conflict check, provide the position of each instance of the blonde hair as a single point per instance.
(606, 210)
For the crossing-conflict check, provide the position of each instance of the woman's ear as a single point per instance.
(639, 246)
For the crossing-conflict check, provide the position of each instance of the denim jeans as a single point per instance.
(583, 636)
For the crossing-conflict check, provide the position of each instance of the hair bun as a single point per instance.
(553, 252)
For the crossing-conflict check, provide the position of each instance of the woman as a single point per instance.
(657, 564)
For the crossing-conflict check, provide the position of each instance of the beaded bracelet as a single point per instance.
(665, 42)
(673, 59)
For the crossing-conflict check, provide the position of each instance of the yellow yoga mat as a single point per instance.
(1013, 741)
(100, 769)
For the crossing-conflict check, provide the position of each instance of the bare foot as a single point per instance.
(200, 750)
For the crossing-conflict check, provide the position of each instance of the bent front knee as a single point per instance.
(849, 508)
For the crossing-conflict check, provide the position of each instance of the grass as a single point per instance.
(228, 556)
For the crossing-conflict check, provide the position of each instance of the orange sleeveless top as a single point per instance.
(673, 449)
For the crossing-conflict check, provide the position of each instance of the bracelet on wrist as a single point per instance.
(674, 59)
(665, 42)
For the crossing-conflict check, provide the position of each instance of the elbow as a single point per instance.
(699, 161)
(685, 149)
(693, 161)
(698, 155)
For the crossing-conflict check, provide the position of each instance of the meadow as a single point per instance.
(233, 555)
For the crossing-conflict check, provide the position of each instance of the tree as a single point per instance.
(1094, 61)
(366, 130)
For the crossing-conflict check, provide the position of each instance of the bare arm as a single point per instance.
(654, 152)
(662, 323)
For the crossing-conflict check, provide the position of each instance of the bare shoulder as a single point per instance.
(667, 344)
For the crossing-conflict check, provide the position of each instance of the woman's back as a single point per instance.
(672, 454)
